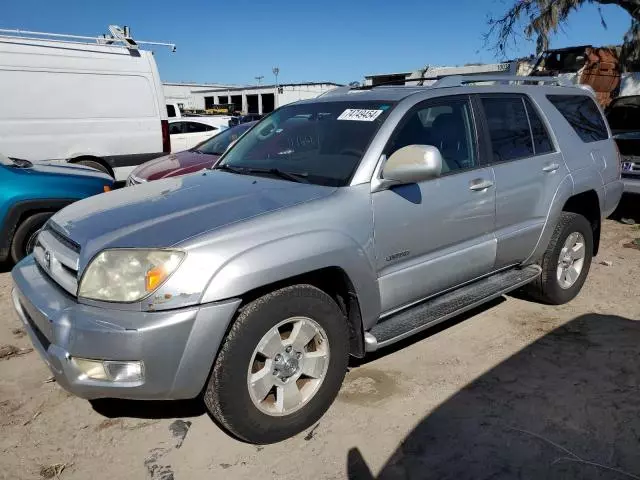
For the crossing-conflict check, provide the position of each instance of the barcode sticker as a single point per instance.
(360, 115)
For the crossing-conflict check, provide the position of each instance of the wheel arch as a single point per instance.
(22, 210)
(92, 158)
(330, 260)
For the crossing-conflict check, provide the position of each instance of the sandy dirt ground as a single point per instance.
(517, 390)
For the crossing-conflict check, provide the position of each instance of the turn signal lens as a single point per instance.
(155, 277)
(106, 188)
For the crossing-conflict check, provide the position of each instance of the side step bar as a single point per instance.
(441, 308)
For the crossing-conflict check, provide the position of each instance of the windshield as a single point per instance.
(218, 144)
(322, 142)
(624, 114)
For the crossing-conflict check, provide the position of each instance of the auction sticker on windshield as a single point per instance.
(360, 115)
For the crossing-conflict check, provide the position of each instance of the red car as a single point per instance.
(202, 156)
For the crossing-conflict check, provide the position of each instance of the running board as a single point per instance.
(441, 308)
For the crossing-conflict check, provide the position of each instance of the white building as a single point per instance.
(262, 98)
(182, 93)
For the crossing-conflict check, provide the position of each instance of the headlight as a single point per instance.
(127, 275)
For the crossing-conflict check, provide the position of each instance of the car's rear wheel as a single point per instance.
(95, 165)
(281, 365)
(566, 262)
(24, 238)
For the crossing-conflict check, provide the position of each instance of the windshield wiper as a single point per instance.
(291, 176)
(229, 168)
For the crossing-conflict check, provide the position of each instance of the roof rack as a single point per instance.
(117, 36)
(460, 80)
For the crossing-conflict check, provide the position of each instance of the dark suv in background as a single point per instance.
(623, 115)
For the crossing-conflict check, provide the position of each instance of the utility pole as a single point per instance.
(276, 71)
(259, 78)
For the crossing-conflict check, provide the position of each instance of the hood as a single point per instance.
(173, 165)
(167, 212)
(60, 170)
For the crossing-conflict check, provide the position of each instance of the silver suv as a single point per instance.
(334, 227)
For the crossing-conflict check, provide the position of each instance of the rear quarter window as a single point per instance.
(583, 115)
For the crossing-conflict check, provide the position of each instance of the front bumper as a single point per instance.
(177, 347)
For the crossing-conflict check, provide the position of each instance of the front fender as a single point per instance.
(296, 255)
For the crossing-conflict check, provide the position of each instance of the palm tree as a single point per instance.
(542, 18)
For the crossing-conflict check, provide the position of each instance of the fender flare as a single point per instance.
(296, 255)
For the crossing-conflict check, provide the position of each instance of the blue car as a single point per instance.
(31, 193)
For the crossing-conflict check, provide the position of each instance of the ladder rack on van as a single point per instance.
(118, 35)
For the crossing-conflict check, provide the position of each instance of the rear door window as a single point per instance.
(541, 140)
(508, 128)
(176, 128)
(195, 127)
(583, 115)
(171, 111)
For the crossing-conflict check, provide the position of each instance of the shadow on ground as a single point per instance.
(567, 406)
(118, 408)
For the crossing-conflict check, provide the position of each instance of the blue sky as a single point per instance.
(332, 40)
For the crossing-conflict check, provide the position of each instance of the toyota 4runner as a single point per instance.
(334, 227)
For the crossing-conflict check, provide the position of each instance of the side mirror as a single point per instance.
(412, 164)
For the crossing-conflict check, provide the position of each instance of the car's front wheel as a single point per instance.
(281, 365)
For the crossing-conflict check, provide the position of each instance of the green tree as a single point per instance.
(540, 19)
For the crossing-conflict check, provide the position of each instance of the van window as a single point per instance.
(171, 111)
(62, 95)
(582, 114)
(508, 128)
(541, 141)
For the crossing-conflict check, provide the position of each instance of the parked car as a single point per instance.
(186, 133)
(251, 117)
(31, 193)
(623, 115)
(86, 103)
(203, 155)
(335, 227)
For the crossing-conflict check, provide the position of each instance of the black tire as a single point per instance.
(95, 165)
(227, 393)
(22, 242)
(546, 287)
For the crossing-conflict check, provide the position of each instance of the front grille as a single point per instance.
(64, 240)
(58, 256)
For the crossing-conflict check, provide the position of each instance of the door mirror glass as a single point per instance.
(413, 164)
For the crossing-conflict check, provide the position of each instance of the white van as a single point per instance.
(95, 104)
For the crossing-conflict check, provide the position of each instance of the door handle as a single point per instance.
(480, 184)
(552, 167)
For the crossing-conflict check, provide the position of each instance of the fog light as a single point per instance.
(124, 371)
(110, 371)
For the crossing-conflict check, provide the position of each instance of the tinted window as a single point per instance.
(582, 114)
(624, 113)
(541, 141)
(323, 141)
(508, 128)
(447, 126)
(171, 111)
(194, 127)
(176, 127)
